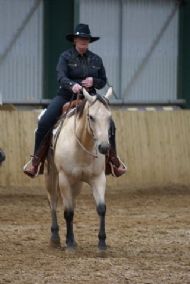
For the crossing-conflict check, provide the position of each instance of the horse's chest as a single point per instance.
(83, 171)
(78, 165)
(80, 170)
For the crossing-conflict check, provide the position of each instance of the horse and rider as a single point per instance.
(84, 150)
(77, 68)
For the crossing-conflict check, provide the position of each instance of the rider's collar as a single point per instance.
(79, 55)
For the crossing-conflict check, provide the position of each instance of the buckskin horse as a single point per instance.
(79, 157)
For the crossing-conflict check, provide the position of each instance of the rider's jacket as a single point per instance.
(73, 68)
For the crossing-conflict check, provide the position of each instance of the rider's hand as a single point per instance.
(76, 88)
(88, 82)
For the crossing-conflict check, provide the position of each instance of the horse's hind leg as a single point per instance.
(98, 188)
(55, 239)
(68, 196)
(53, 191)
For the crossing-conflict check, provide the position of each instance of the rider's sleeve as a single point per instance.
(62, 71)
(100, 80)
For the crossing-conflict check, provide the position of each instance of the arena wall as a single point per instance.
(154, 144)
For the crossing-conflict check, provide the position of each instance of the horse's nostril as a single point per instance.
(103, 148)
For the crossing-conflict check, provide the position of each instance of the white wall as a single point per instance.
(139, 46)
(21, 34)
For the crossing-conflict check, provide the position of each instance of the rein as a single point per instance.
(78, 140)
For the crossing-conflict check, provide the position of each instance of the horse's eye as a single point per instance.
(91, 118)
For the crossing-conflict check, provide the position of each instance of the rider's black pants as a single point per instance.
(48, 119)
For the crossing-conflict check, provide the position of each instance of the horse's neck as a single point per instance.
(82, 131)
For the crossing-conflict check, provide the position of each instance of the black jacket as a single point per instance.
(73, 68)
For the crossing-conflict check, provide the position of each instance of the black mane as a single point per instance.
(103, 100)
(80, 107)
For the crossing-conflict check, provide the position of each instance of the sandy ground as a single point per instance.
(148, 237)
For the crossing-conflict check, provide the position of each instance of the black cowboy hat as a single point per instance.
(83, 31)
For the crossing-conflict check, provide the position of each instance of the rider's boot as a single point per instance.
(31, 168)
(35, 165)
(114, 165)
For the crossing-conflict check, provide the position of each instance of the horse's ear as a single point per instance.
(109, 93)
(88, 97)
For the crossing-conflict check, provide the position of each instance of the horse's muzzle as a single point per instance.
(104, 148)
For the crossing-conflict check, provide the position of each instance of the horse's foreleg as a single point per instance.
(101, 209)
(98, 188)
(70, 240)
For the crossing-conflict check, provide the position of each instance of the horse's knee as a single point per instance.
(68, 215)
(55, 229)
(101, 209)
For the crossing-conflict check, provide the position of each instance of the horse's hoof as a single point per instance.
(55, 243)
(102, 246)
(71, 245)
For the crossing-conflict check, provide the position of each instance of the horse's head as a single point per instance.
(99, 118)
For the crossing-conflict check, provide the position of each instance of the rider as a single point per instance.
(77, 68)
